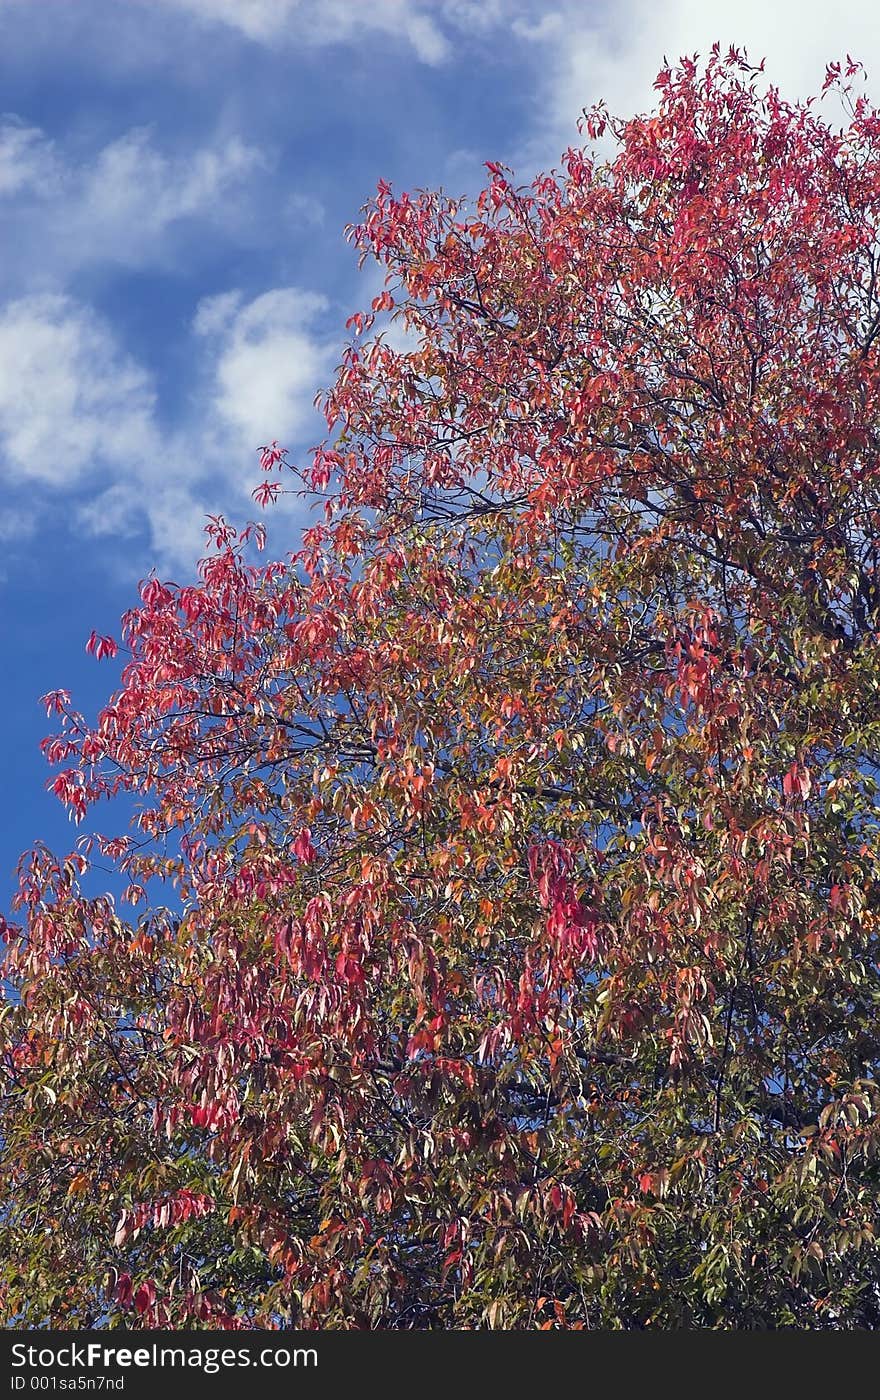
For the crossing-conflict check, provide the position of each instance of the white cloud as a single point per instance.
(268, 362)
(174, 512)
(71, 401)
(27, 159)
(215, 315)
(546, 26)
(257, 19)
(137, 192)
(121, 206)
(477, 15)
(322, 22)
(78, 416)
(430, 45)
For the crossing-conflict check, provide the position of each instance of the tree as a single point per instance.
(519, 967)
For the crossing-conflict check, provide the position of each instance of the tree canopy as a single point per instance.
(504, 884)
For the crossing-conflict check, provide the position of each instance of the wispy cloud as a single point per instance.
(27, 160)
(319, 22)
(121, 206)
(78, 426)
(81, 421)
(133, 193)
(78, 415)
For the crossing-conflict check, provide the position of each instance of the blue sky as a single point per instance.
(175, 176)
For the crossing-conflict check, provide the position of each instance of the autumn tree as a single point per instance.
(505, 877)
